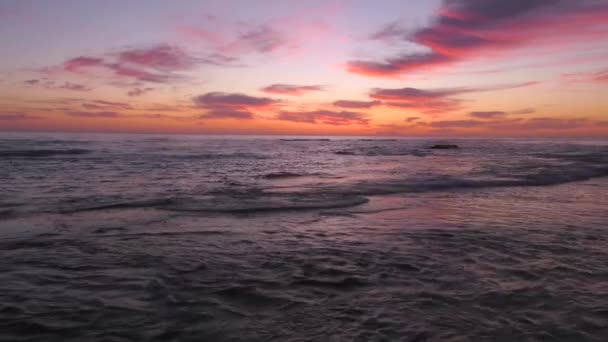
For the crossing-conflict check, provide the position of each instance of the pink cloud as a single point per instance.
(107, 115)
(156, 64)
(466, 29)
(290, 89)
(488, 114)
(498, 114)
(75, 87)
(232, 105)
(587, 77)
(227, 113)
(106, 105)
(17, 117)
(219, 99)
(356, 104)
(51, 84)
(343, 118)
(139, 91)
(434, 101)
(517, 124)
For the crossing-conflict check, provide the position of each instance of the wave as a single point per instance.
(382, 152)
(42, 153)
(237, 155)
(257, 202)
(331, 196)
(281, 175)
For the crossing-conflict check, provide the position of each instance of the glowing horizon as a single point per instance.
(345, 67)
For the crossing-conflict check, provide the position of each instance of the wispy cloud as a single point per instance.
(107, 115)
(106, 105)
(156, 64)
(291, 89)
(52, 84)
(356, 104)
(232, 105)
(600, 76)
(75, 87)
(139, 91)
(17, 116)
(488, 114)
(327, 117)
(434, 101)
(498, 114)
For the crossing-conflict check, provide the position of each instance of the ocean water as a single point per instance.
(192, 238)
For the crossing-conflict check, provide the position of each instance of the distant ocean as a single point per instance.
(202, 238)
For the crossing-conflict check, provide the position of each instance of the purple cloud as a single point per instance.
(156, 64)
(219, 99)
(139, 91)
(356, 104)
(327, 117)
(290, 89)
(227, 113)
(488, 114)
(465, 29)
(108, 115)
(75, 87)
(17, 117)
(433, 101)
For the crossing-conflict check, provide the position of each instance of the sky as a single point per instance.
(333, 67)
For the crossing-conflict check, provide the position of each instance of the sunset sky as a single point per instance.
(344, 67)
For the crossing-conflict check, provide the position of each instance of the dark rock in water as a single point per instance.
(444, 147)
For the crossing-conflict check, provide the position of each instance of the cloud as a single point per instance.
(410, 94)
(219, 99)
(106, 105)
(227, 113)
(139, 91)
(262, 39)
(108, 115)
(327, 117)
(51, 84)
(164, 117)
(428, 106)
(290, 89)
(497, 114)
(232, 105)
(466, 29)
(156, 64)
(356, 104)
(524, 111)
(434, 101)
(75, 87)
(517, 124)
(17, 117)
(487, 115)
(162, 57)
(587, 77)
(412, 119)
(390, 31)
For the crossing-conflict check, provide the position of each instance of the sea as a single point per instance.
(119, 237)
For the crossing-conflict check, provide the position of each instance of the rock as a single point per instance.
(444, 147)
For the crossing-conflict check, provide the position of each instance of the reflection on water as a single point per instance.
(188, 239)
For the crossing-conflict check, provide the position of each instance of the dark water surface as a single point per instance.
(185, 238)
